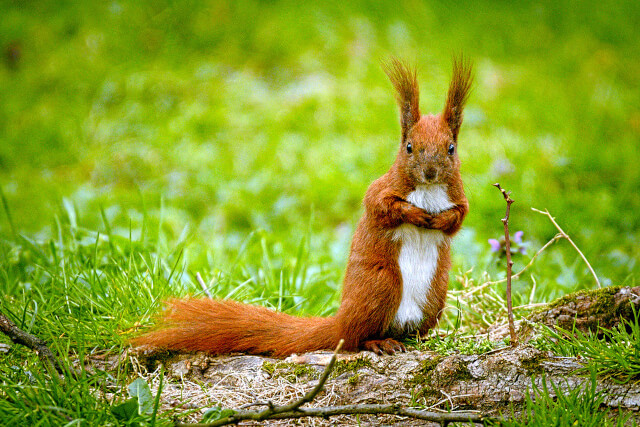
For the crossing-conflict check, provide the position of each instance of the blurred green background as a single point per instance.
(194, 124)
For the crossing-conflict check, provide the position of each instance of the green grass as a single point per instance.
(222, 113)
(576, 406)
(612, 353)
(141, 143)
(456, 343)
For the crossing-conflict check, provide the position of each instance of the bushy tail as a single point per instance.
(220, 327)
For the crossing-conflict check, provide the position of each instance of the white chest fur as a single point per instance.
(418, 257)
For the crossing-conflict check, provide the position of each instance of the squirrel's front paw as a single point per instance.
(421, 218)
(444, 221)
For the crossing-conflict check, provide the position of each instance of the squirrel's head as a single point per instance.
(429, 149)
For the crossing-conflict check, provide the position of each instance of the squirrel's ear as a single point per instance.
(405, 82)
(458, 94)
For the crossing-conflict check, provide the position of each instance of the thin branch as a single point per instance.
(18, 336)
(566, 236)
(203, 285)
(369, 409)
(505, 221)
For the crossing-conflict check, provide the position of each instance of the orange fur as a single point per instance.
(228, 326)
(405, 82)
(458, 94)
(373, 288)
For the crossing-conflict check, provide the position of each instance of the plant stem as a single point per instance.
(566, 236)
(507, 240)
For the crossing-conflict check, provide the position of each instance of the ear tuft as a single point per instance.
(458, 93)
(405, 81)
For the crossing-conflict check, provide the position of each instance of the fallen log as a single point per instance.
(489, 383)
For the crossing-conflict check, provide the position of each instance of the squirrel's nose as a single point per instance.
(430, 174)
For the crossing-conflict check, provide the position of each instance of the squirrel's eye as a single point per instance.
(452, 149)
(409, 148)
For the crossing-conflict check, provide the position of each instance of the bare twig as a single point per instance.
(294, 410)
(203, 285)
(370, 409)
(566, 236)
(505, 221)
(18, 336)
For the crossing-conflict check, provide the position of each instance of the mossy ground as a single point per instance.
(351, 366)
(292, 372)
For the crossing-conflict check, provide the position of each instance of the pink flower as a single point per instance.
(517, 237)
(495, 245)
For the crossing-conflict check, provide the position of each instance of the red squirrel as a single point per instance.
(397, 275)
